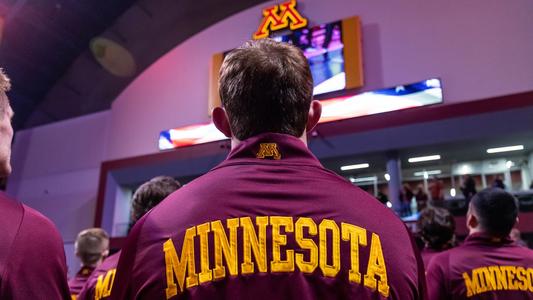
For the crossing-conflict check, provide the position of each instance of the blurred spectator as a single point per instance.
(436, 189)
(468, 188)
(92, 247)
(498, 183)
(421, 198)
(437, 229)
(406, 195)
(382, 197)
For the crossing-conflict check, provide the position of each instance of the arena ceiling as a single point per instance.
(51, 49)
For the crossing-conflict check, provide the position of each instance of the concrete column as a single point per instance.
(394, 169)
(507, 180)
(526, 177)
(530, 163)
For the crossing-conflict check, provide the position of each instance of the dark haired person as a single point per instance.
(488, 265)
(92, 247)
(437, 230)
(32, 257)
(149, 194)
(269, 222)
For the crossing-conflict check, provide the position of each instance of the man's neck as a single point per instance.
(235, 142)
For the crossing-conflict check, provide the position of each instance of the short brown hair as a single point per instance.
(91, 244)
(266, 86)
(150, 193)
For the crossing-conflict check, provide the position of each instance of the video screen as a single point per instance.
(323, 47)
(400, 97)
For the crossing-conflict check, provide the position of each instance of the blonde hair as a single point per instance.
(5, 83)
(91, 245)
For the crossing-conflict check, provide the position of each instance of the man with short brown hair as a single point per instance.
(32, 258)
(269, 222)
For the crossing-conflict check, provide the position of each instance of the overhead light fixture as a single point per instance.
(453, 192)
(364, 179)
(424, 158)
(505, 149)
(352, 180)
(431, 172)
(387, 176)
(353, 167)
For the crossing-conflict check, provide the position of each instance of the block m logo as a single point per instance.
(277, 17)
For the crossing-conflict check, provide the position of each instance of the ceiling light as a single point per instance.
(423, 158)
(431, 172)
(505, 149)
(365, 179)
(353, 167)
(453, 192)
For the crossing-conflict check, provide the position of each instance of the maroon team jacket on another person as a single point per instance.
(32, 257)
(78, 281)
(270, 223)
(100, 283)
(482, 268)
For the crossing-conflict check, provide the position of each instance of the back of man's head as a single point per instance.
(266, 86)
(437, 227)
(496, 211)
(150, 193)
(92, 246)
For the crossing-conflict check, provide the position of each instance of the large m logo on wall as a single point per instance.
(280, 17)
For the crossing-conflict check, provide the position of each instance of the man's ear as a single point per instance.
(315, 111)
(220, 119)
(472, 221)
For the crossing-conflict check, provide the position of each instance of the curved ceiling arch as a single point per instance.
(46, 49)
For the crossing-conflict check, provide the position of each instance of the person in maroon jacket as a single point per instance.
(269, 222)
(92, 247)
(149, 194)
(32, 257)
(488, 265)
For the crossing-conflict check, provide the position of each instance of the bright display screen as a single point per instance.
(422, 93)
(323, 47)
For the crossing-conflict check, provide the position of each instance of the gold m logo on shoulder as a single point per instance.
(268, 150)
(277, 17)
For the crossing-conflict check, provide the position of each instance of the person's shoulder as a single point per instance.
(38, 222)
(8, 204)
(442, 258)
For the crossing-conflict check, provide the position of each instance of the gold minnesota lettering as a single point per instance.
(307, 256)
(104, 284)
(498, 278)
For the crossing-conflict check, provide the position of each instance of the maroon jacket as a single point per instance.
(32, 257)
(99, 284)
(78, 281)
(270, 223)
(482, 269)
